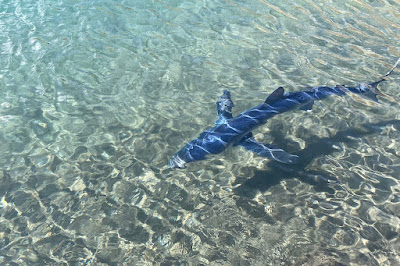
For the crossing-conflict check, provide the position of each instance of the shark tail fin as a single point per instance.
(373, 87)
(391, 70)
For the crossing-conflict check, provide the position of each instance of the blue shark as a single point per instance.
(237, 131)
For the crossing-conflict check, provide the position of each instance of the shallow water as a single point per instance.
(96, 96)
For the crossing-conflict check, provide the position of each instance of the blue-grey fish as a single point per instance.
(231, 131)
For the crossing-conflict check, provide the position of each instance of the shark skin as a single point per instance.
(232, 131)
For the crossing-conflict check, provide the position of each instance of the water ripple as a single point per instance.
(95, 97)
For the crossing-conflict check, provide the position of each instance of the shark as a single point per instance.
(230, 131)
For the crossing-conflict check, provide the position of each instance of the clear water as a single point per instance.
(96, 96)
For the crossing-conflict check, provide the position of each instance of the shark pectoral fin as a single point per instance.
(308, 106)
(268, 151)
(224, 107)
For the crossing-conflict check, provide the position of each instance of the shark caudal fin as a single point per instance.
(371, 90)
(224, 107)
(391, 70)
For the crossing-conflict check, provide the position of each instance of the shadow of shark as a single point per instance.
(319, 146)
(233, 131)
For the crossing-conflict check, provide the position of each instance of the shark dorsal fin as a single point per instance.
(275, 96)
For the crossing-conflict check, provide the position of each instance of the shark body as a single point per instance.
(231, 131)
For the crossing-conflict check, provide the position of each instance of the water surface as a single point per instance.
(96, 96)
